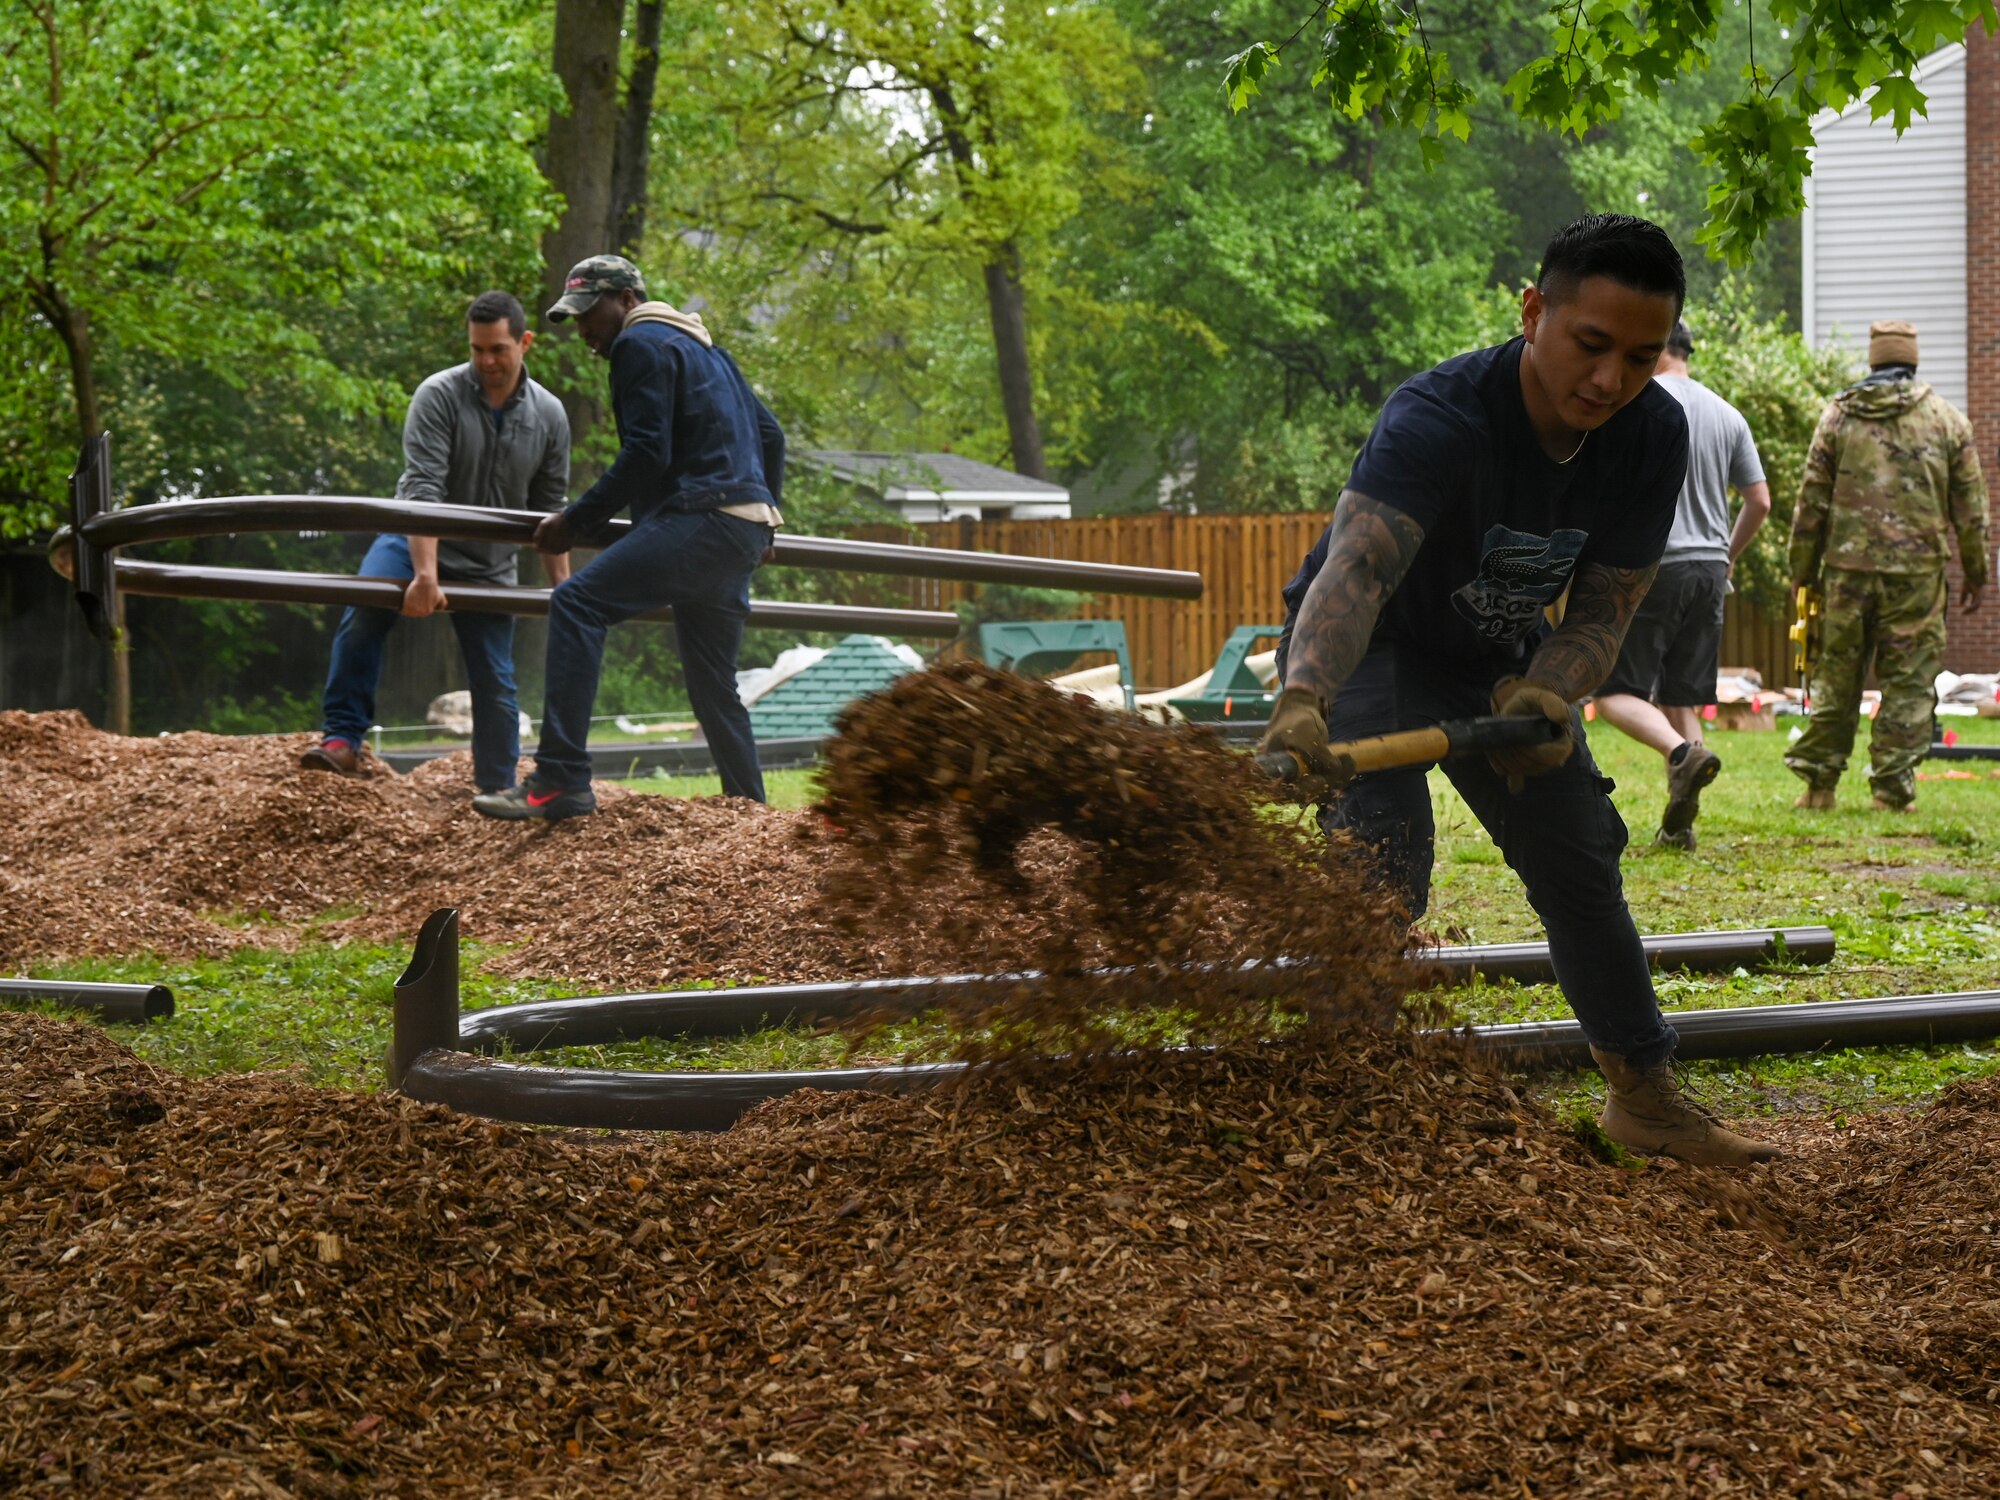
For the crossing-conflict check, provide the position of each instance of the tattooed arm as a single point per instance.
(1370, 549)
(1580, 655)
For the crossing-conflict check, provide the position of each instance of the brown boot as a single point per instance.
(332, 755)
(1816, 799)
(1649, 1113)
(1883, 804)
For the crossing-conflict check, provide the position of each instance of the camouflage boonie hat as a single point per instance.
(590, 279)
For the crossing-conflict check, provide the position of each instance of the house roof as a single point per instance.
(933, 476)
(803, 706)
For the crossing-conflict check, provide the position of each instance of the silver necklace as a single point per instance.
(1578, 448)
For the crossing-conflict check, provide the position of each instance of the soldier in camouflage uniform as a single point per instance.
(1892, 483)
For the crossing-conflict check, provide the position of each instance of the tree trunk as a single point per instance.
(583, 137)
(1010, 346)
(635, 131)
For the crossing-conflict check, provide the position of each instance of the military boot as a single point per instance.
(1816, 799)
(1648, 1111)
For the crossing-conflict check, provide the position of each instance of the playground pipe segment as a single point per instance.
(98, 531)
(137, 1003)
(276, 586)
(598, 1020)
(431, 1058)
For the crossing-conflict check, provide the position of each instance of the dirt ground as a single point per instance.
(1368, 1269)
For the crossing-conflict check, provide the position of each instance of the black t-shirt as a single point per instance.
(1506, 526)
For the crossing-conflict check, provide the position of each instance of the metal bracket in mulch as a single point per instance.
(443, 1056)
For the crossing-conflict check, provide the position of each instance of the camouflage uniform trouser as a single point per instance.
(1898, 619)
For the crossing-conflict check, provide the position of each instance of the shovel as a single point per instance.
(1309, 780)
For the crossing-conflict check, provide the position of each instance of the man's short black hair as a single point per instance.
(496, 307)
(1681, 340)
(1633, 252)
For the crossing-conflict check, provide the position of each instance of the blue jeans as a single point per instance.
(1559, 833)
(700, 564)
(487, 642)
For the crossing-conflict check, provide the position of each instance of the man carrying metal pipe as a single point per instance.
(481, 433)
(701, 463)
(1491, 486)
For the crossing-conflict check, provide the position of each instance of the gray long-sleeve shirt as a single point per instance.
(456, 453)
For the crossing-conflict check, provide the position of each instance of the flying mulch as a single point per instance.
(1186, 877)
(1367, 1269)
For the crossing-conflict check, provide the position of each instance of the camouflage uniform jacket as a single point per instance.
(1891, 482)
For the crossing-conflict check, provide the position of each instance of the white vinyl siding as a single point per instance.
(1884, 228)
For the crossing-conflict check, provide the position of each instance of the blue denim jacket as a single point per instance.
(692, 434)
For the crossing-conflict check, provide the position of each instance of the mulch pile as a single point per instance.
(110, 845)
(1359, 1269)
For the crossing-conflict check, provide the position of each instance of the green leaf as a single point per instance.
(1897, 95)
(1243, 74)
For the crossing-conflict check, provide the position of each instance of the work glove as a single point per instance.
(1524, 697)
(1298, 724)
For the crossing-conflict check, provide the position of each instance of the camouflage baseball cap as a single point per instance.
(590, 279)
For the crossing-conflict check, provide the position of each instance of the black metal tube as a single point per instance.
(96, 584)
(136, 1003)
(612, 1099)
(275, 586)
(1941, 751)
(1692, 952)
(1759, 1030)
(426, 1015)
(181, 519)
(598, 1020)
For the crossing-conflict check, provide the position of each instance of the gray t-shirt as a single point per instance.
(1721, 453)
(455, 453)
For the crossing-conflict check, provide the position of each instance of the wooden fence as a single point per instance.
(1244, 561)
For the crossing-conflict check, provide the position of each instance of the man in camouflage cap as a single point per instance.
(701, 465)
(1892, 484)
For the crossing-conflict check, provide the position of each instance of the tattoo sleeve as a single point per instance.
(1582, 652)
(1369, 551)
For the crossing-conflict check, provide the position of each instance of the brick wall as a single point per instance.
(1974, 641)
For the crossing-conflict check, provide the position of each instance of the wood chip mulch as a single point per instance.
(113, 845)
(1366, 1269)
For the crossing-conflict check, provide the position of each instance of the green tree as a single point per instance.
(888, 141)
(1379, 58)
(177, 183)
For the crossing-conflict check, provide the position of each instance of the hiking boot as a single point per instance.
(1885, 804)
(1816, 799)
(535, 799)
(331, 754)
(1649, 1112)
(1685, 779)
(1682, 840)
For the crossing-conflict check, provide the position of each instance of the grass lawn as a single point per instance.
(1914, 900)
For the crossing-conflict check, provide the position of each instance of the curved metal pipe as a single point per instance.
(613, 1099)
(136, 1003)
(181, 519)
(275, 586)
(426, 1018)
(599, 1020)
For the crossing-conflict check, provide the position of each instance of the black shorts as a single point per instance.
(1675, 644)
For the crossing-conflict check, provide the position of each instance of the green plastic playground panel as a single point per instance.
(1233, 691)
(1050, 646)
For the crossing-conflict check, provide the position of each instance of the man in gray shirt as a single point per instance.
(1666, 670)
(481, 433)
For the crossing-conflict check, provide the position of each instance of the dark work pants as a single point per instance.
(486, 640)
(1559, 833)
(700, 564)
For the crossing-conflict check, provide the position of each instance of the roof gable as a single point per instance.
(803, 706)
